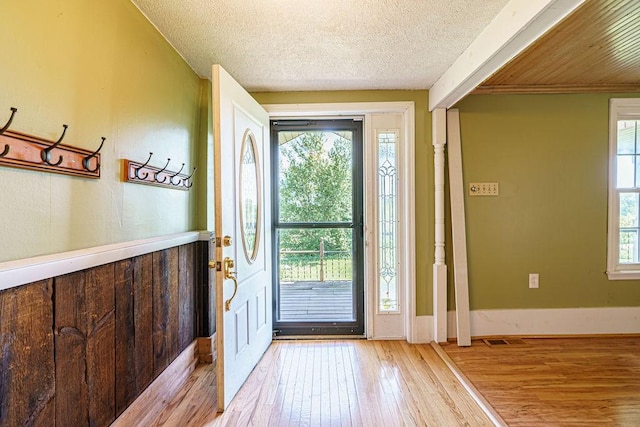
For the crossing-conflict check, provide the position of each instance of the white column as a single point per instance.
(439, 118)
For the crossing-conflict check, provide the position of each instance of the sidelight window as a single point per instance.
(387, 141)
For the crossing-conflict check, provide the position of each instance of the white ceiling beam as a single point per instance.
(516, 26)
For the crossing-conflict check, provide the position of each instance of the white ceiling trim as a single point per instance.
(519, 24)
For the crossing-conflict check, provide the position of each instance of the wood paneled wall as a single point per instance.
(78, 349)
(27, 371)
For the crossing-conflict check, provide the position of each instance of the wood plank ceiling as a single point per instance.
(595, 49)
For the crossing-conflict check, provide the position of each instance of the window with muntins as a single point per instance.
(624, 189)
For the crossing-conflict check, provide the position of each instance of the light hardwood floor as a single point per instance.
(557, 381)
(333, 383)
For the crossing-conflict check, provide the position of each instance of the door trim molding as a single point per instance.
(407, 109)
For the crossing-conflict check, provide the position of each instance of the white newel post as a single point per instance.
(439, 118)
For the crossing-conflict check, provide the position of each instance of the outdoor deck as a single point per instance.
(330, 300)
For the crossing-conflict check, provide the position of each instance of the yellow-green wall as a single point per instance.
(549, 155)
(103, 69)
(423, 162)
(205, 195)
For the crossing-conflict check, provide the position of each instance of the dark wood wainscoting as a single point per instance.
(78, 349)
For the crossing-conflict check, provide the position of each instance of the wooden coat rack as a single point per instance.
(143, 173)
(24, 151)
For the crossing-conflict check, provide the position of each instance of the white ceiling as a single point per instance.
(300, 45)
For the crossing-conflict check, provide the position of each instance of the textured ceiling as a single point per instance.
(294, 45)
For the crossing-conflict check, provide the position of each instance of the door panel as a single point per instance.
(241, 167)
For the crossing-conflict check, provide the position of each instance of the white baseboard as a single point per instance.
(551, 321)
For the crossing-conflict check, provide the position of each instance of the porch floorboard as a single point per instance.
(329, 300)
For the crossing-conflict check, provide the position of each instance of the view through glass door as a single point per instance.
(318, 227)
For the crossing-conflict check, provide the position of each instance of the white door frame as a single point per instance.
(407, 209)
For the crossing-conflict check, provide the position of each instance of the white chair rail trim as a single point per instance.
(28, 270)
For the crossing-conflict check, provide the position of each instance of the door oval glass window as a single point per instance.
(250, 196)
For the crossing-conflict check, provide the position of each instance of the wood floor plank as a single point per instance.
(268, 375)
(287, 401)
(557, 381)
(448, 387)
(316, 389)
(366, 387)
(341, 377)
(354, 403)
(409, 391)
(330, 409)
(278, 394)
(307, 387)
(327, 383)
(298, 389)
(422, 384)
(370, 371)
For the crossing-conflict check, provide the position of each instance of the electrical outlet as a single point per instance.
(534, 280)
(484, 189)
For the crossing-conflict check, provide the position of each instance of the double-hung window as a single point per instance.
(624, 189)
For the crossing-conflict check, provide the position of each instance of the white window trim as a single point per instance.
(619, 108)
(406, 212)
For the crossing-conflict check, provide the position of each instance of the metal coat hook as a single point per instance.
(46, 153)
(174, 175)
(136, 172)
(13, 113)
(87, 160)
(186, 180)
(4, 128)
(160, 171)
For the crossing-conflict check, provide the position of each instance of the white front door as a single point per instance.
(242, 226)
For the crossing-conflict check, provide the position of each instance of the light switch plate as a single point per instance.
(484, 189)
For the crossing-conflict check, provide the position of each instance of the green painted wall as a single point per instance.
(205, 217)
(103, 69)
(424, 170)
(549, 155)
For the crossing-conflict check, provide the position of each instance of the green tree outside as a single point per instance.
(316, 186)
